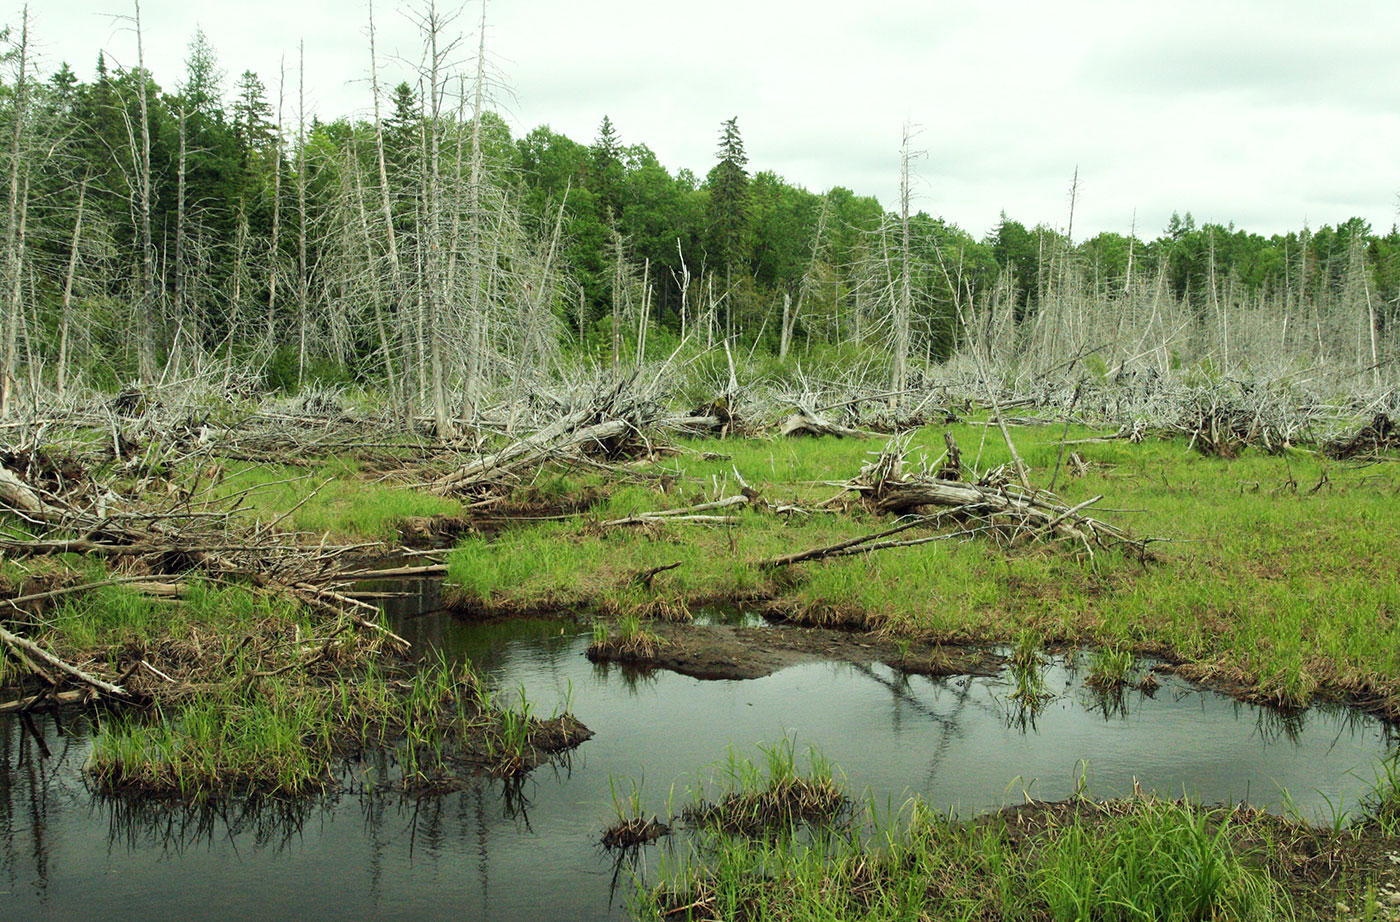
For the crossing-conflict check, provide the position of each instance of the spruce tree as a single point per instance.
(729, 199)
(606, 169)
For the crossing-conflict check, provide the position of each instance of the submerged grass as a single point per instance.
(1274, 577)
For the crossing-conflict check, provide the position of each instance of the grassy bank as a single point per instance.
(755, 853)
(249, 692)
(338, 498)
(1274, 573)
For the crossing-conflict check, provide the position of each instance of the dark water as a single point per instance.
(527, 851)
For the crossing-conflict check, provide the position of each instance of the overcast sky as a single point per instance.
(1267, 113)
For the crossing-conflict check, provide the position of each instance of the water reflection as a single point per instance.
(634, 678)
(527, 848)
(172, 828)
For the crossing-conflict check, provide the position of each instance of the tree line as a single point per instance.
(149, 229)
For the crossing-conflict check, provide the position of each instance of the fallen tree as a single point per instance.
(992, 507)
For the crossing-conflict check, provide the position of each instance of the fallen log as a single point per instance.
(561, 436)
(17, 494)
(685, 514)
(810, 423)
(833, 550)
(419, 572)
(31, 649)
(57, 699)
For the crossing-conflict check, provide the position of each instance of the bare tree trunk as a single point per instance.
(386, 204)
(180, 217)
(430, 173)
(618, 288)
(476, 307)
(66, 309)
(146, 316)
(14, 237)
(790, 318)
(272, 251)
(303, 281)
(380, 326)
(15, 306)
(685, 287)
(1371, 328)
(899, 376)
(785, 334)
(1132, 245)
(644, 315)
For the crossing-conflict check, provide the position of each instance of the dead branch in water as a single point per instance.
(30, 649)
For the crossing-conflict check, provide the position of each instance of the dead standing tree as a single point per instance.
(16, 207)
(904, 297)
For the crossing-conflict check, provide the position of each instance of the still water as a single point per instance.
(528, 851)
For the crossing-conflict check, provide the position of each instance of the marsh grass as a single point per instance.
(628, 641)
(1162, 861)
(630, 828)
(1140, 861)
(116, 617)
(1110, 669)
(348, 503)
(281, 735)
(773, 795)
(1384, 803)
(1282, 593)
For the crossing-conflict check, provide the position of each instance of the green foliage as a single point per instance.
(1161, 863)
(1146, 861)
(753, 228)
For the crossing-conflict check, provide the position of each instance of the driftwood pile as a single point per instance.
(156, 542)
(1221, 424)
(1369, 443)
(993, 507)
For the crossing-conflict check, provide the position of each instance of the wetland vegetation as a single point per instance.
(721, 461)
(239, 687)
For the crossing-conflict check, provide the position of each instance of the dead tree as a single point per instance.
(14, 220)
